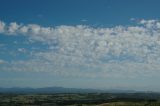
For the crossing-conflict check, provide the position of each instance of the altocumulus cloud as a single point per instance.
(87, 51)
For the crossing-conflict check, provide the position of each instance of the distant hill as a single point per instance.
(47, 90)
(60, 90)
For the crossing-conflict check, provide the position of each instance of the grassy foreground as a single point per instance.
(130, 104)
(123, 104)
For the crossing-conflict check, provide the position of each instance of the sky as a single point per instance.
(101, 44)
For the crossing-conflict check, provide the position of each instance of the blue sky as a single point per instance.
(105, 44)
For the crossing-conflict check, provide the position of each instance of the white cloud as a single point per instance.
(2, 25)
(2, 61)
(99, 51)
(84, 20)
(23, 50)
(13, 28)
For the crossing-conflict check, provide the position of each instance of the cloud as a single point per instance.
(2, 61)
(23, 50)
(2, 25)
(84, 20)
(86, 51)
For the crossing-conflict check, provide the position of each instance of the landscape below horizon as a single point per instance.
(79, 99)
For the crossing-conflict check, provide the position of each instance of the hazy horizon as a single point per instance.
(99, 44)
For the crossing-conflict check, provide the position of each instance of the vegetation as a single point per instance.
(81, 99)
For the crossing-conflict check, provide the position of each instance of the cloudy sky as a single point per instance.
(104, 44)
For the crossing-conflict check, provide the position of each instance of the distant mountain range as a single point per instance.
(60, 90)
